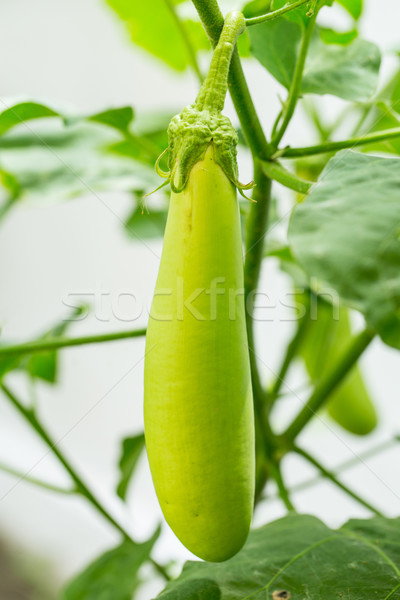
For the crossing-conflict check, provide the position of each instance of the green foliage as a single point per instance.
(360, 262)
(330, 36)
(354, 7)
(119, 118)
(42, 365)
(147, 224)
(347, 71)
(75, 155)
(22, 112)
(303, 556)
(132, 448)
(114, 575)
(158, 32)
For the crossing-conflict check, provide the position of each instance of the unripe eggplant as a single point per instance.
(198, 398)
(198, 408)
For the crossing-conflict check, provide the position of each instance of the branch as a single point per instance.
(329, 475)
(37, 482)
(275, 170)
(81, 487)
(46, 345)
(291, 352)
(295, 88)
(327, 385)
(282, 489)
(342, 145)
(276, 13)
(339, 469)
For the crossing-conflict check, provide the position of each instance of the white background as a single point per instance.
(79, 53)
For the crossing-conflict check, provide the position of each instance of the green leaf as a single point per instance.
(303, 556)
(146, 224)
(41, 365)
(349, 72)
(275, 44)
(347, 234)
(383, 117)
(157, 31)
(119, 118)
(344, 38)
(24, 111)
(354, 7)
(132, 448)
(65, 163)
(113, 576)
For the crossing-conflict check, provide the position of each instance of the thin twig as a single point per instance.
(276, 13)
(49, 344)
(379, 136)
(331, 476)
(81, 486)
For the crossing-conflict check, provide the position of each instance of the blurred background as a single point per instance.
(55, 255)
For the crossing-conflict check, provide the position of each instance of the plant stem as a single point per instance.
(331, 476)
(295, 88)
(341, 145)
(185, 38)
(46, 345)
(329, 383)
(38, 482)
(291, 352)
(256, 227)
(344, 466)
(81, 487)
(213, 22)
(276, 13)
(282, 489)
(275, 170)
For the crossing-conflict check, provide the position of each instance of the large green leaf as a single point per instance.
(113, 576)
(347, 71)
(132, 448)
(301, 555)
(157, 31)
(347, 234)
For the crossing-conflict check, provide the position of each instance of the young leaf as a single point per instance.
(354, 7)
(24, 111)
(347, 71)
(119, 118)
(330, 36)
(347, 234)
(160, 34)
(132, 448)
(113, 576)
(303, 556)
